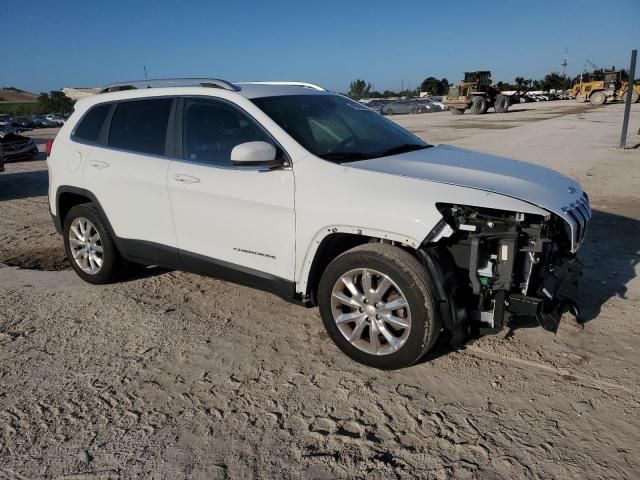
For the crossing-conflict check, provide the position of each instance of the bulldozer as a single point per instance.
(599, 92)
(475, 93)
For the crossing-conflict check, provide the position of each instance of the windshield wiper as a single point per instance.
(346, 156)
(407, 147)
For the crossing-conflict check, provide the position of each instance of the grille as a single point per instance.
(578, 215)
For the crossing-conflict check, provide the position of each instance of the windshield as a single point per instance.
(338, 129)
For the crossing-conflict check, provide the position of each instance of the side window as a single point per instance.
(89, 127)
(141, 125)
(211, 129)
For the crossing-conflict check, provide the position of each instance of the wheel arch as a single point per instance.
(334, 241)
(68, 196)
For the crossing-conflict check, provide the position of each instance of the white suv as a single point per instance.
(292, 189)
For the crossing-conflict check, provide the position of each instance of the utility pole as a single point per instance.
(565, 62)
(627, 102)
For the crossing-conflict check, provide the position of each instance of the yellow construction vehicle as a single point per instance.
(598, 92)
(476, 94)
(635, 94)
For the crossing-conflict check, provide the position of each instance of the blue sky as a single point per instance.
(48, 45)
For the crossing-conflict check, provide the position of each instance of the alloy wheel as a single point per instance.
(86, 246)
(371, 311)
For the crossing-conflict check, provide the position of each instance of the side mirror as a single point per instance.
(255, 154)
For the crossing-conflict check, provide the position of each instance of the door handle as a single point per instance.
(98, 164)
(185, 178)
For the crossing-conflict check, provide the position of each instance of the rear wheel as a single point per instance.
(89, 246)
(376, 304)
(479, 105)
(635, 96)
(598, 98)
(502, 103)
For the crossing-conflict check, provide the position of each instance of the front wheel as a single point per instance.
(377, 305)
(598, 98)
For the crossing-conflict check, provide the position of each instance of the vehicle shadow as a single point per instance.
(611, 255)
(23, 184)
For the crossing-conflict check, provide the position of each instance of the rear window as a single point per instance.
(91, 124)
(141, 125)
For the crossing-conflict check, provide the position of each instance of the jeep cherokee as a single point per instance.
(295, 190)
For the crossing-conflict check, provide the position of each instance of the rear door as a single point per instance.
(229, 220)
(127, 172)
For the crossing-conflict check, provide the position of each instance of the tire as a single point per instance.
(635, 96)
(406, 279)
(598, 98)
(479, 105)
(502, 103)
(414, 111)
(389, 112)
(112, 265)
(457, 111)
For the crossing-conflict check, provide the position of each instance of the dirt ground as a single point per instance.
(172, 375)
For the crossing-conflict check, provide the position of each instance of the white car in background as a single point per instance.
(298, 191)
(55, 118)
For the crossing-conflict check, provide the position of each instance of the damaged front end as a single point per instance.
(505, 264)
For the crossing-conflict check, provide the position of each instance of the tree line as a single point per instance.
(52, 102)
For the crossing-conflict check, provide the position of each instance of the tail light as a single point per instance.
(48, 147)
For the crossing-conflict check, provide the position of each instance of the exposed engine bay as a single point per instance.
(505, 264)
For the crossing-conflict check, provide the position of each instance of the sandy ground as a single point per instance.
(171, 375)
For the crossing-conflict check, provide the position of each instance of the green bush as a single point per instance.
(18, 109)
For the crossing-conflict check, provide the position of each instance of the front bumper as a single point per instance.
(557, 294)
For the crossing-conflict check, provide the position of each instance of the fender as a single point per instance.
(83, 193)
(305, 268)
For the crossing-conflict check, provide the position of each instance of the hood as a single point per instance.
(537, 185)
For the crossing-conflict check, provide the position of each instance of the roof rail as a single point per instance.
(170, 82)
(290, 84)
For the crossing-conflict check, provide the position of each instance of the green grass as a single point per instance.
(16, 109)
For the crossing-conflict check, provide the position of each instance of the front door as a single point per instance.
(231, 222)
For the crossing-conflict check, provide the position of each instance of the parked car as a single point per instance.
(15, 146)
(439, 104)
(22, 122)
(427, 104)
(42, 122)
(377, 105)
(57, 119)
(393, 239)
(403, 106)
